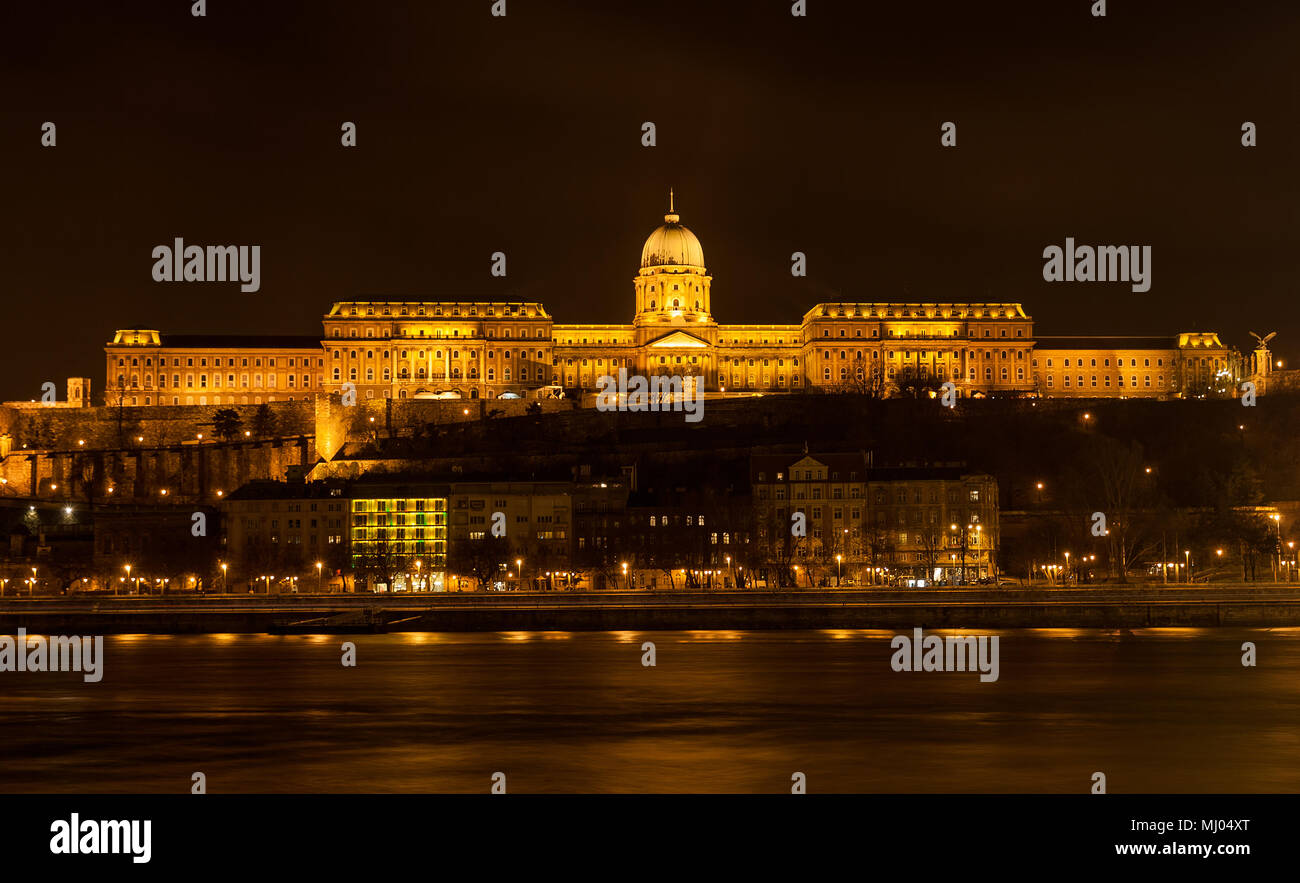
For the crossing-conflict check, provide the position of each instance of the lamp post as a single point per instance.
(519, 569)
(839, 568)
(965, 547)
(1067, 568)
(128, 571)
(1187, 561)
(953, 528)
(318, 575)
(1277, 559)
(625, 580)
(225, 585)
(731, 572)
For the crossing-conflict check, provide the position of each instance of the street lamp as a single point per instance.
(519, 569)
(625, 582)
(1277, 523)
(224, 585)
(839, 569)
(128, 571)
(1187, 559)
(318, 575)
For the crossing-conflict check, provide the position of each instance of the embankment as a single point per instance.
(615, 611)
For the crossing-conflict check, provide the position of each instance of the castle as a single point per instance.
(479, 349)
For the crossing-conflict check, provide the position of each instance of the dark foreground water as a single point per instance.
(1163, 710)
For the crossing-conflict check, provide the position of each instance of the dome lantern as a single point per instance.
(671, 244)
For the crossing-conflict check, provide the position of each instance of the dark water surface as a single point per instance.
(1163, 710)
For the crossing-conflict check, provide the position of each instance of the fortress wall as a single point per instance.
(187, 472)
(161, 425)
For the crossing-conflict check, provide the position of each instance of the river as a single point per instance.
(1161, 710)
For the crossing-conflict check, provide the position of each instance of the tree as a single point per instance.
(481, 559)
(1123, 494)
(917, 383)
(931, 547)
(87, 475)
(263, 421)
(862, 381)
(227, 424)
(378, 560)
(338, 560)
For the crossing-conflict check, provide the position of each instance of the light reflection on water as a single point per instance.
(727, 711)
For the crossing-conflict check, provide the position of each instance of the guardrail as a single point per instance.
(304, 604)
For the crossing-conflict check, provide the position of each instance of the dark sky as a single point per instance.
(522, 134)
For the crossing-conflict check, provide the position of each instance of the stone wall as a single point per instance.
(179, 473)
(49, 428)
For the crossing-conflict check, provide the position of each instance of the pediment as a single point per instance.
(680, 339)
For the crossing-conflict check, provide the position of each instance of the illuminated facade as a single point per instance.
(481, 349)
(399, 537)
(1188, 365)
(147, 368)
(924, 524)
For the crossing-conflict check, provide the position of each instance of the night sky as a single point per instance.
(522, 134)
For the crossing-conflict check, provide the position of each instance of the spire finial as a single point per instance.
(672, 217)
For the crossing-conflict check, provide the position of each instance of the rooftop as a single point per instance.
(241, 341)
(1152, 342)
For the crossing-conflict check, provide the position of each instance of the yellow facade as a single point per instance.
(1189, 365)
(481, 349)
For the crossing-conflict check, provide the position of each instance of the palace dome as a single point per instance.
(671, 244)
